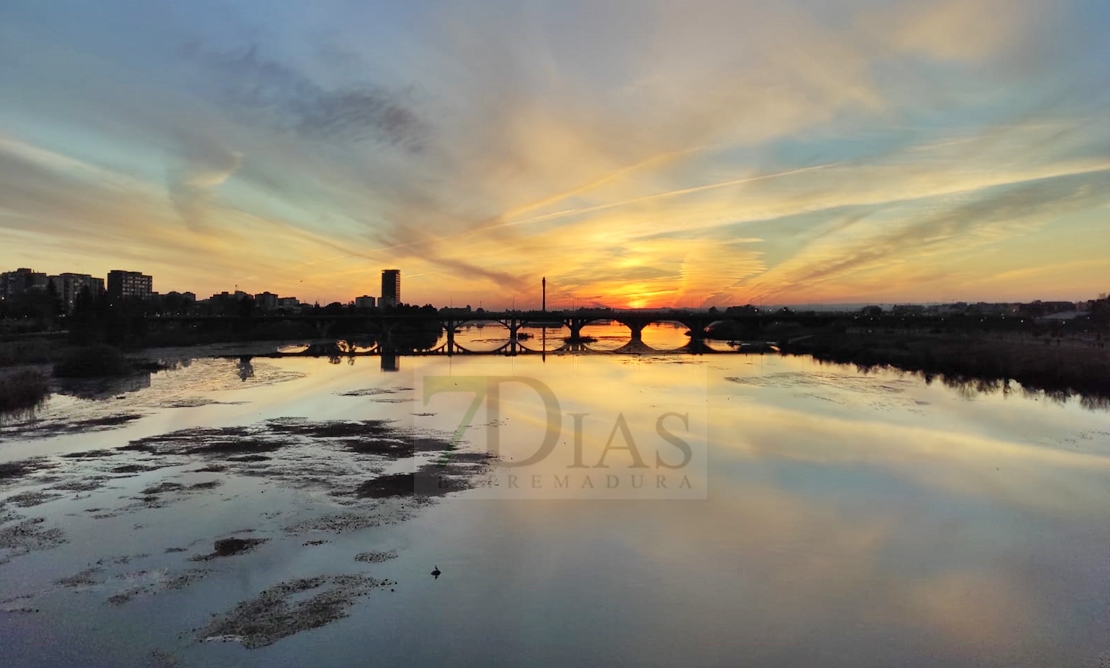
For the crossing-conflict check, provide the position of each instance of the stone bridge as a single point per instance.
(387, 326)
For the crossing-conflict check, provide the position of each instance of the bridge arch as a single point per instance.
(575, 324)
(460, 333)
(539, 336)
(665, 334)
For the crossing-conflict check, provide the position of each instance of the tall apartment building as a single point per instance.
(391, 287)
(15, 283)
(70, 285)
(123, 284)
(266, 301)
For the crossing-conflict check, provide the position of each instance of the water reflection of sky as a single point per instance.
(851, 520)
(485, 336)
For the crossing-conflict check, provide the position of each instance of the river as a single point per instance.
(585, 509)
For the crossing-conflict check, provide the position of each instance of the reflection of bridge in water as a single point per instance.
(342, 349)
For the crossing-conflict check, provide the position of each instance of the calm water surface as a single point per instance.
(847, 520)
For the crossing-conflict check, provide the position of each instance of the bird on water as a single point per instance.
(436, 573)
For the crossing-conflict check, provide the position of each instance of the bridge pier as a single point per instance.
(575, 326)
(697, 346)
(449, 327)
(637, 329)
(514, 327)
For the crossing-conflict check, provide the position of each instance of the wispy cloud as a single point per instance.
(630, 151)
(267, 91)
(192, 184)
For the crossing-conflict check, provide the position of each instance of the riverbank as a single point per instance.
(1067, 364)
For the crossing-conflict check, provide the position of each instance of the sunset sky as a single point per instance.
(636, 153)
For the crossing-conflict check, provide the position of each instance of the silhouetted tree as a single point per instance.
(57, 307)
(175, 303)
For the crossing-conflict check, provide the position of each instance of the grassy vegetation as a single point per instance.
(23, 389)
(1053, 364)
(27, 351)
(91, 362)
